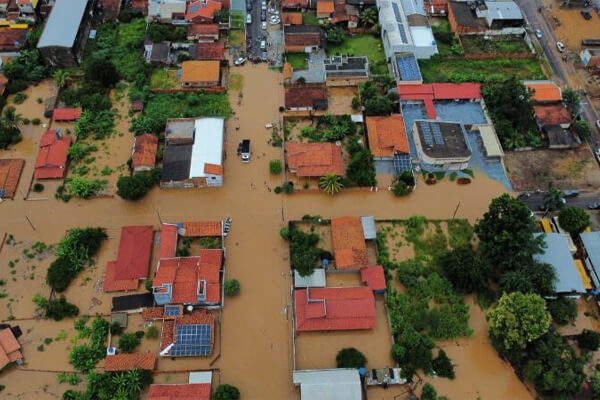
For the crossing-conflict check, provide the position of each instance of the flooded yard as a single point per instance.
(255, 329)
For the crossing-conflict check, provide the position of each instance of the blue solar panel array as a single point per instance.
(172, 310)
(192, 340)
(426, 133)
(437, 134)
(399, 21)
(402, 162)
(408, 67)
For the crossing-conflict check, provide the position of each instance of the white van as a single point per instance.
(249, 18)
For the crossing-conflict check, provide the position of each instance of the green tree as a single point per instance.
(368, 17)
(506, 233)
(226, 392)
(399, 188)
(361, 168)
(62, 77)
(11, 119)
(583, 129)
(573, 219)
(350, 357)
(128, 342)
(554, 199)
(331, 183)
(132, 187)
(335, 35)
(532, 277)
(563, 310)
(232, 287)
(275, 167)
(467, 272)
(442, 365)
(101, 70)
(378, 105)
(588, 340)
(518, 319)
(57, 309)
(428, 392)
(304, 255)
(572, 100)
(596, 384)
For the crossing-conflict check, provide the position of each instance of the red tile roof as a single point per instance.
(305, 96)
(210, 51)
(374, 277)
(144, 151)
(292, 18)
(10, 173)
(349, 247)
(555, 114)
(9, 347)
(387, 136)
(451, 91)
(112, 284)
(190, 391)
(125, 362)
(168, 241)
(12, 39)
(202, 10)
(302, 39)
(325, 7)
(66, 114)
(141, 5)
(202, 228)
(185, 274)
(294, 4)
(135, 251)
(51, 159)
(153, 313)
(199, 317)
(213, 169)
(203, 29)
(334, 309)
(314, 159)
(544, 91)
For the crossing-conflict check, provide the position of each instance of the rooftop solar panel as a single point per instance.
(172, 310)
(408, 68)
(400, 24)
(402, 162)
(437, 134)
(192, 340)
(195, 8)
(426, 133)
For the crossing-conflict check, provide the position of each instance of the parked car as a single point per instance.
(263, 5)
(538, 33)
(264, 56)
(594, 206)
(263, 45)
(560, 46)
(244, 149)
(570, 193)
(263, 25)
(274, 21)
(598, 123)
(597, 154)
(239, 61)
(249, 5)
(249, 18)
(263, 15)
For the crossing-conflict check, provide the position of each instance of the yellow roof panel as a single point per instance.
(587, 283)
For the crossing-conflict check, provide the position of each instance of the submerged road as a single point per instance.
(536, 200)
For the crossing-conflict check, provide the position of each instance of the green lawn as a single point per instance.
(309, 19)
(238, 20)
(494, 45)
(163, 79)
(298, 60)
(439, 69)
(364, 45)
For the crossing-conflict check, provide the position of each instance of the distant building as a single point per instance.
(346, 70)
(51, 161)
(66, 32)
(441, 146)
(313, 160)
(304, 38)
(143, 155)
(193, 155)
(199, 74)
(10, 174)
(306, 97)
(328, 384)
(163, 10)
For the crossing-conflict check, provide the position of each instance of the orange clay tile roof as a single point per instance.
(168, 241)
(556, 114)
(213, 169)
(292, 18)
(374, 277)
(152, 313)
(314, 159)
(112, 284)
(9, 347)
(199, 71)
(203, 29)
(387, 136)
(349, 247)
(66, 114)
(202, 9)
(325, 7)
(202, 228)
(167, 335)
(210, 51)
(144, 151)
(199, 317)
(190, 391)
(544, 91)
(287, 71)
(10, 173)
(135, 252)
(51, 159)
(125, 362)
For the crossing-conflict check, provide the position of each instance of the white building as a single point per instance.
(328, 384)
(162, 10)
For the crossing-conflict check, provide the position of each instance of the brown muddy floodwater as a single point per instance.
(255, 342)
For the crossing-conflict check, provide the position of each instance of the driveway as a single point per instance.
(315, 71)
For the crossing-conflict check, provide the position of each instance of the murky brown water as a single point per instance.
(256, 347)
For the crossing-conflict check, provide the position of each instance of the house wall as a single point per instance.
(199, 84)
(214, 180)
(300, 49)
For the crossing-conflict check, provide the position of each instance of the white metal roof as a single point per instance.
(506, 10)
(422, 36)
(208, 145)
(200, 377)
(490, 140)
(393, 20)
(328, 384)
(368, 226)
(558, 255)
(316, 279)
(63, 23)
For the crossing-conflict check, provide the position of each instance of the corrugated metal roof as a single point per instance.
(328, 384)
(368, 225)
(558, 255)
(63, 23)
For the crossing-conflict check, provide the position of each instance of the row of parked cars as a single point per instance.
(274, 18)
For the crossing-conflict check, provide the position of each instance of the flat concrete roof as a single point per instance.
(442, 140)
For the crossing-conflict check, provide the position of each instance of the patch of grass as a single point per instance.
(309, 19)
(576, 167)
(237, 38)
(363, 45)
(298, 60)
(236, 82)
(460, 232)
(163, 79)
(238, 20)
(502, 44)
(438, 69)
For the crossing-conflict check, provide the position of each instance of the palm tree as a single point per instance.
(368, 17)
(331, 183)
(10, 118)
(554, 199)
(62, 78)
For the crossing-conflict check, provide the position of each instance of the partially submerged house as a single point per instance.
(66, 32)
(334, 309)
(328, 384)
(66, 114)
(189, 335)
(143, 154)
(349, 246)
(179, 391)
(304, 38)
(313, 160)
(557, 254)
(126, 362)
(51, 161)
(10, 349)
(374, 278)
(200, 74)
(441, 146)
(193, 155)
(306, 97)
(387, 137)
(10, 174)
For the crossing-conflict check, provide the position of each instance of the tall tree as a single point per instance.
(61, 78)
(572, 100)
(467, 272)
(518, 319)
(506, 233)
(554, 199)
(368, 17)
(573, 219)
(583, 129)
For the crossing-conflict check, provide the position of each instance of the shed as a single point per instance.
(328, 384)
(558, 255)
(316, 279)
(200, 377)
(368, 226)
(132, 303)
(491, 144)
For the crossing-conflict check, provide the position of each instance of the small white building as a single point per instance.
(328, 384)
(163, 10)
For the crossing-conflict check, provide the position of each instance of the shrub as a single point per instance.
(399, 188)
(350, 357)
(84, 188)
(38, 187)
(128, 342)
(152, 332)
(278, 189)
(19, 98)
(355, 103)
(428, 392)
(442, 365)
(588, 340)
(115, 328)
(36, 121)
(58, 309)
(232, 287)
(563, 310)
(573, 219)
(226, 392)
(137, 186)
(275, 166)
(26, 121)
(285, 233)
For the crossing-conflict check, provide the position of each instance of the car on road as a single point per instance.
(263, 25)
(263, 5)
(570, 193)
(560, 46)
(239, 61)
(594, 206)
(263, 45)
(249, 5)
(538, 33)
(263, 15)
(249, 18)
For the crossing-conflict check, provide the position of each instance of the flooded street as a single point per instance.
(256, 342)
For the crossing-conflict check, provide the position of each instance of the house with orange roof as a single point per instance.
(374, 278)
(203, 33)
(10, 174)
(51, 161)
(10, 349)
(325, 9)
(387, 136)
(202, 11)
(200, 73)
(544, 91)
(291, 18)
(180, 391)
(143, 155)
(189, 335)
(313, 160)
(66, 114)
(126, 362)
(349, 245)
(202, 229)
